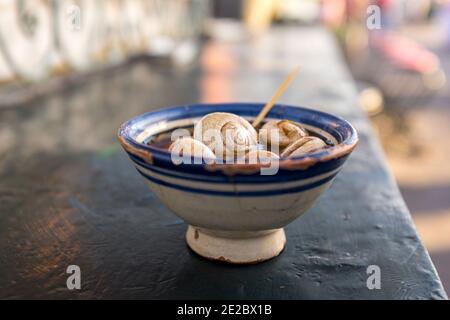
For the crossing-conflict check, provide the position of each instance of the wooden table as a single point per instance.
(70, 196)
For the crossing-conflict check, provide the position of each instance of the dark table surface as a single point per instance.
(70, 196)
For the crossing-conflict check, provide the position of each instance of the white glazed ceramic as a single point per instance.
(234, 213)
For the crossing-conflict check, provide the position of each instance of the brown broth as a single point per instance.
(163, 140)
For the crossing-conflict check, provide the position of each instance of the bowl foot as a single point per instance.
(235, 246)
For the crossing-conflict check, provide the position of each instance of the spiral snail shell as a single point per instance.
(189, 147)
(303, 146)
(226, 134)
(288, 132)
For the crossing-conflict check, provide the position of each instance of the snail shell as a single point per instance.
(226, 134)
(189, 147)
(303, 146)
(288, 132)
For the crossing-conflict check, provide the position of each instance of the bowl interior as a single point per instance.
(140, 129)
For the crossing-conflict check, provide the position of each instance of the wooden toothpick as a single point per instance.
(275, 97)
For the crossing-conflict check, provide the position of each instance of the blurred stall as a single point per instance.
(82, 35)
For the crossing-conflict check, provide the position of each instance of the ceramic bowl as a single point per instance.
(234, 213)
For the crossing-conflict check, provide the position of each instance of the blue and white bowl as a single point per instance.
(234, 213)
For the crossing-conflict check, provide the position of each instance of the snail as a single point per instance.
(303, 146)
(186, 147)
(288, 132)
(229, 136)
(224, 136)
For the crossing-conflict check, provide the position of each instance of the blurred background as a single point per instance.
(397, 51)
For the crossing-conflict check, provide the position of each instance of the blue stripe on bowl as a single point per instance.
(242, 193)
(193, 172)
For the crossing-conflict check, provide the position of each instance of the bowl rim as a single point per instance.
(148, 152)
